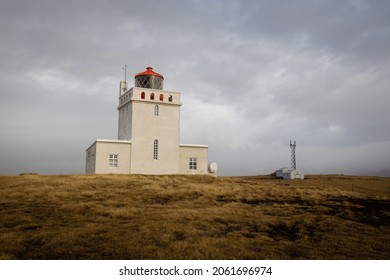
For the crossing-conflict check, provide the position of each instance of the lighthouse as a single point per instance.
(148, 134)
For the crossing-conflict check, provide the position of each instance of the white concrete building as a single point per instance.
(148, 135)
(289, 173)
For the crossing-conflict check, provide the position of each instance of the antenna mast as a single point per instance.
(125, 68)
(293, 162)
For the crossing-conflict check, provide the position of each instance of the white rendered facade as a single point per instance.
(289, 173)
(148, 137)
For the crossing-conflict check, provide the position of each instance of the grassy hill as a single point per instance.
(193, 217)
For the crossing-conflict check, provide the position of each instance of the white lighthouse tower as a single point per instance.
(148, 134)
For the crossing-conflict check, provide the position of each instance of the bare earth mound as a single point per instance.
(193, 217)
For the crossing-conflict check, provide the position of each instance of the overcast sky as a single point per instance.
(253, 76)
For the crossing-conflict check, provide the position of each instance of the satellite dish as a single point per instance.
(213, 166)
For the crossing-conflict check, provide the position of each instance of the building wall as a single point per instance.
(289, 173)
(296, 174)
(148, 126)
(142, 121)
(200, 152)
(105, 148)
(90, 159)
(125, 116)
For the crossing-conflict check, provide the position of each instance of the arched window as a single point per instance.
(155, 149)
(152, 96)
(161, 97)
(170, 98)
(142, 95)
(156, 110)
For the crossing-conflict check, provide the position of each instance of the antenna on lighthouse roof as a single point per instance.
(123, 84)
(125, 68)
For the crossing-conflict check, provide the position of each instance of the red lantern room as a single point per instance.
(149, 79)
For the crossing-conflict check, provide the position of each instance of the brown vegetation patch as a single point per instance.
(193, 217)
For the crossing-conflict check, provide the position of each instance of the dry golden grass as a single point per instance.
(193, 217)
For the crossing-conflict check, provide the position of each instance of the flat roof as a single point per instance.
(109, 141)
(193, 145)
(113, 141)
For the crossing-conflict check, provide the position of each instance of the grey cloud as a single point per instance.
(253, 74)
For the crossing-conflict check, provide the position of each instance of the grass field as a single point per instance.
(193, 217)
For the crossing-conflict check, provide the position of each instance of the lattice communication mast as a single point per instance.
(293, 162)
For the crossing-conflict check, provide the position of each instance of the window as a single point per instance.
(193, 163)
(113, 160)
(155, 149)
(142, 95)
(156, 110)
(161, 97)
(170, 98)
(152, 96)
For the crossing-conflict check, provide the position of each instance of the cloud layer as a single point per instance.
(253, 75)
